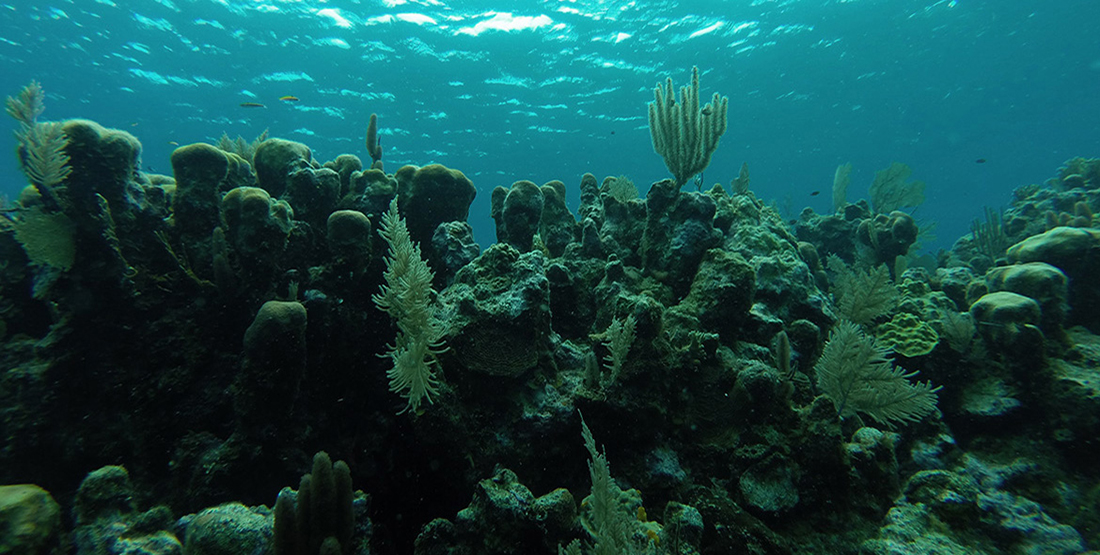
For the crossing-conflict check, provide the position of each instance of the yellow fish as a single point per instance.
(288, 98)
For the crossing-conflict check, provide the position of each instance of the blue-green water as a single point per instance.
(545, 90)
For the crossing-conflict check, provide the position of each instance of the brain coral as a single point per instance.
(907, 335)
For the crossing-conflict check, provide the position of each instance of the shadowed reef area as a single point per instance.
(178, 351)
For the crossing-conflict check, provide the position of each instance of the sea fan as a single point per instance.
(44, 158)
(858, 376)
(861, 296)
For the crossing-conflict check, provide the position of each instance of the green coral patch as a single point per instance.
(907, 335)
(47, 238)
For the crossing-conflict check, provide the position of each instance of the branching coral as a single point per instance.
(684, 134)
(406, 297)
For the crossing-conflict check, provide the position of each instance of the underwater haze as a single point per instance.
(978, 97)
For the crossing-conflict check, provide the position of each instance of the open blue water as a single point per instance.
(551, 89)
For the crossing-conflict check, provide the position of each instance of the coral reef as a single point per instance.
(750, 380)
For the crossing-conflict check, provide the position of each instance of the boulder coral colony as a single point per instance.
(193, 344)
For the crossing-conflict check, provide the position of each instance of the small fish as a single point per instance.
(613, 132)
(979, 161)
(252, 105)
(135, 124)
(815, 193)
(173, 143)
(288, 98)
